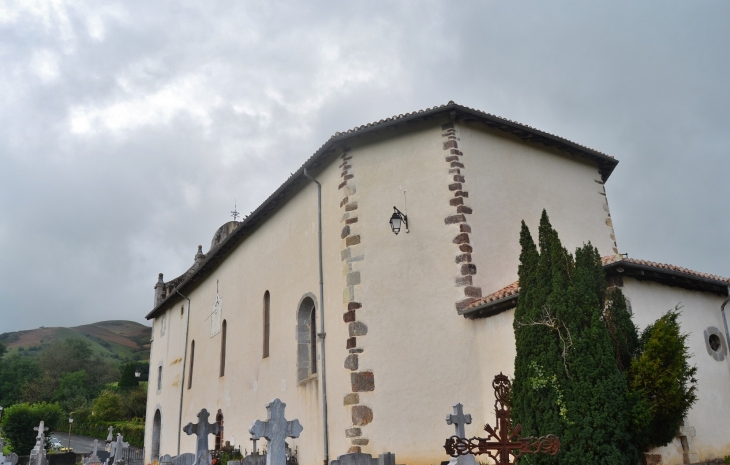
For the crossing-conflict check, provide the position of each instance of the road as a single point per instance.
(80, 444)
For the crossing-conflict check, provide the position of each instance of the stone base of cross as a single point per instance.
(503, 444)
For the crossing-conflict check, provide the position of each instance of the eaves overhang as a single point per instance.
(450, 111)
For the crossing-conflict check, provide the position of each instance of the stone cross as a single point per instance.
(38, 454)
(110, 437)
(275, 429)
(458, 419)
(202, 429)
(95, 458)
(118, 446)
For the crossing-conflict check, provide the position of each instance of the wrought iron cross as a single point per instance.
(234, 213)
(503, 443)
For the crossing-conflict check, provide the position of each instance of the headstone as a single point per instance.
(166, 460)
(459, 419)
(38, 454)
(202, 429)
(110, 436)
(184, 459)
(276, 429)
(2, 456)
(117, 448)
(358, 458)
(93, 459)
(11, 458)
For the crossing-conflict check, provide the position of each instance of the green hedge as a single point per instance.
(132, 431)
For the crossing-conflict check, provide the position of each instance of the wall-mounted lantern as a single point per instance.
(397, 219)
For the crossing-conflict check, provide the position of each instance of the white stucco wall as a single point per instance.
(511, 180)
(424, 356)
(281, 257)
(700, 310)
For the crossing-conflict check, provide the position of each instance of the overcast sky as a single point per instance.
(128, 128)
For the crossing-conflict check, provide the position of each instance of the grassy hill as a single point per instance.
(116, 339)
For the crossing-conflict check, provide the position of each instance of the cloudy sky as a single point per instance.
(128, 128)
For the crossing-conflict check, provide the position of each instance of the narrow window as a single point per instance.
(192, 360)
(223, 348)
(267, 323)
(313, 341)
(306, 340)
(159, 377)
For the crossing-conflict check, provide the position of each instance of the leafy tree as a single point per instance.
(128, 380)
(663, 377)
(134, 403)
(108, 406)
(15, 371)
(74, 391)
(567, 381)
(19, 419)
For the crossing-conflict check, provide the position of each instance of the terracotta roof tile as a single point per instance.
(514, 288)
(608, 260)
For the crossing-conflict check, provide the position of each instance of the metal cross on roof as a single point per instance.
(503, 443)
(235, 213)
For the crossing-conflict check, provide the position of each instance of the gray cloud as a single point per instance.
(128, 128)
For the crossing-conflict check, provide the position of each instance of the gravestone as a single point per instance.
(459, 419)
(202, 429)
(38, 454)
(117, 448)
(93, 459)
(166, 460)
(11, 458)
(184, 459)
(109, 440)
(2, 456)
(358, 458)
(275, 430)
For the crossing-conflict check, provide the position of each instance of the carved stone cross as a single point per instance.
(202, 429)
(458, 419)
(275, 429)
(41, 428)
(95, 458)
(118, 446)
(110, 437)
(504, 442)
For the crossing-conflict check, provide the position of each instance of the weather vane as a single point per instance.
(234, 213)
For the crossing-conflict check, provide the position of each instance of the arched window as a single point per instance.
(223, 349)
(219, 436)
(267, 322)
(156, 428)
(306, 340)
(192, 360)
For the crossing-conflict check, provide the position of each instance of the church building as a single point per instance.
(376, 288)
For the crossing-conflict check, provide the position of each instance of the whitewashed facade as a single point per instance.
(412, 321)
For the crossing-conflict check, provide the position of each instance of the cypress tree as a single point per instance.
(567, 381)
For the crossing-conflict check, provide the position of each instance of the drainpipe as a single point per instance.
(182, 380)
(724, 319)
(321, 333)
